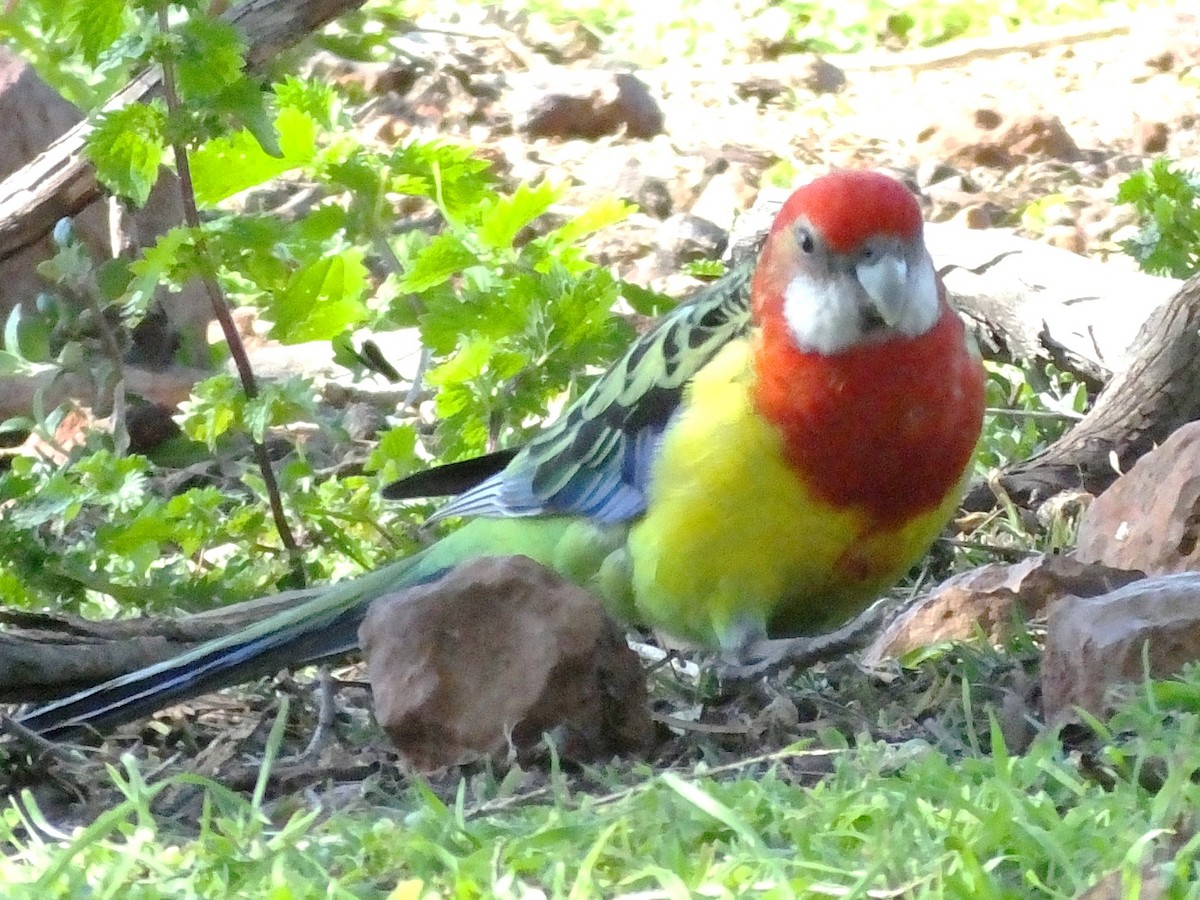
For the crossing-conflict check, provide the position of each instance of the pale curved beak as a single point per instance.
(885, 279)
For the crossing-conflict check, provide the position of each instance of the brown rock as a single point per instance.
(1095, 643)
(1166, 40)
(945, 202)
(984, 600)
(653, 197)
(1149, 518)
(725, 194)
(1044, 136)
(367, 78)
(363, 421)
(685, 238)
(806, 72)
(150, 426)
(588, 104)
(934, 171)
(1066, 237)
(978, 216)
(1150, 137)
(985, 137)
(761, 88)
(1162, 61)
(495, 654)
(820, 76)
(560, 41)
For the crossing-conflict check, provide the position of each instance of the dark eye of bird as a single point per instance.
(806, 242)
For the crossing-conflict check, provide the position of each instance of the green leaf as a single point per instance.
(508, 215)
(12, 339)
(645, 301)
(704, 268)
(158, 264)
(247, 105)
(214, 407)
(1168, 205)
(317, 98)
(98, 23)
(467, 363)
(113, 278)
(396, 452)
(228, 165)
(142, 536)
(27, 337)
(210, 58)
(322, 223)
(278, 404)
(601, 214)
(321, 300)
(34, 338)
(453, 399)
(9, 363)
(127, 147)
(435, 263)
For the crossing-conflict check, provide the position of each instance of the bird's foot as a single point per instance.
(768, 657)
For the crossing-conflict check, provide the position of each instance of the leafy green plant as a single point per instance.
(1167, 200)
(510, 312)
(1026, 411)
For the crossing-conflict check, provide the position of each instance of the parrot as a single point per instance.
(763, 463)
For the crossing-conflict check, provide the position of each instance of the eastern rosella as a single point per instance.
(763, 463)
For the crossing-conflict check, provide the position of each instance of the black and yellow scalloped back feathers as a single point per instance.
(595, 459)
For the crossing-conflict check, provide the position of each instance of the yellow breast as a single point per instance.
(733, 547)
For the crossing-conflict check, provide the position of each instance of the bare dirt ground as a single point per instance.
(1034, 130)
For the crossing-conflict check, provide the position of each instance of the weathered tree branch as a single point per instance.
(1158, 391)
(1030, 301)
(60, 182)
(47, 656)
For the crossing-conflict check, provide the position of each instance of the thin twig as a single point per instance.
(541, 793)
(1062, 416)
(390, 261)
(237, 349)
(107, 337)
(414, 389)
(1035, 39)
(36, 744)
(1013, 554)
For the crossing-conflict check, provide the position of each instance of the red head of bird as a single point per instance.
(861, 364)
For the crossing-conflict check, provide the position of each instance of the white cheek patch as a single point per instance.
(822, 315)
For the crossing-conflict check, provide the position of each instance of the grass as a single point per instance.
(915, 817)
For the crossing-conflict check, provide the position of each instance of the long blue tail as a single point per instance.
(319, 628)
